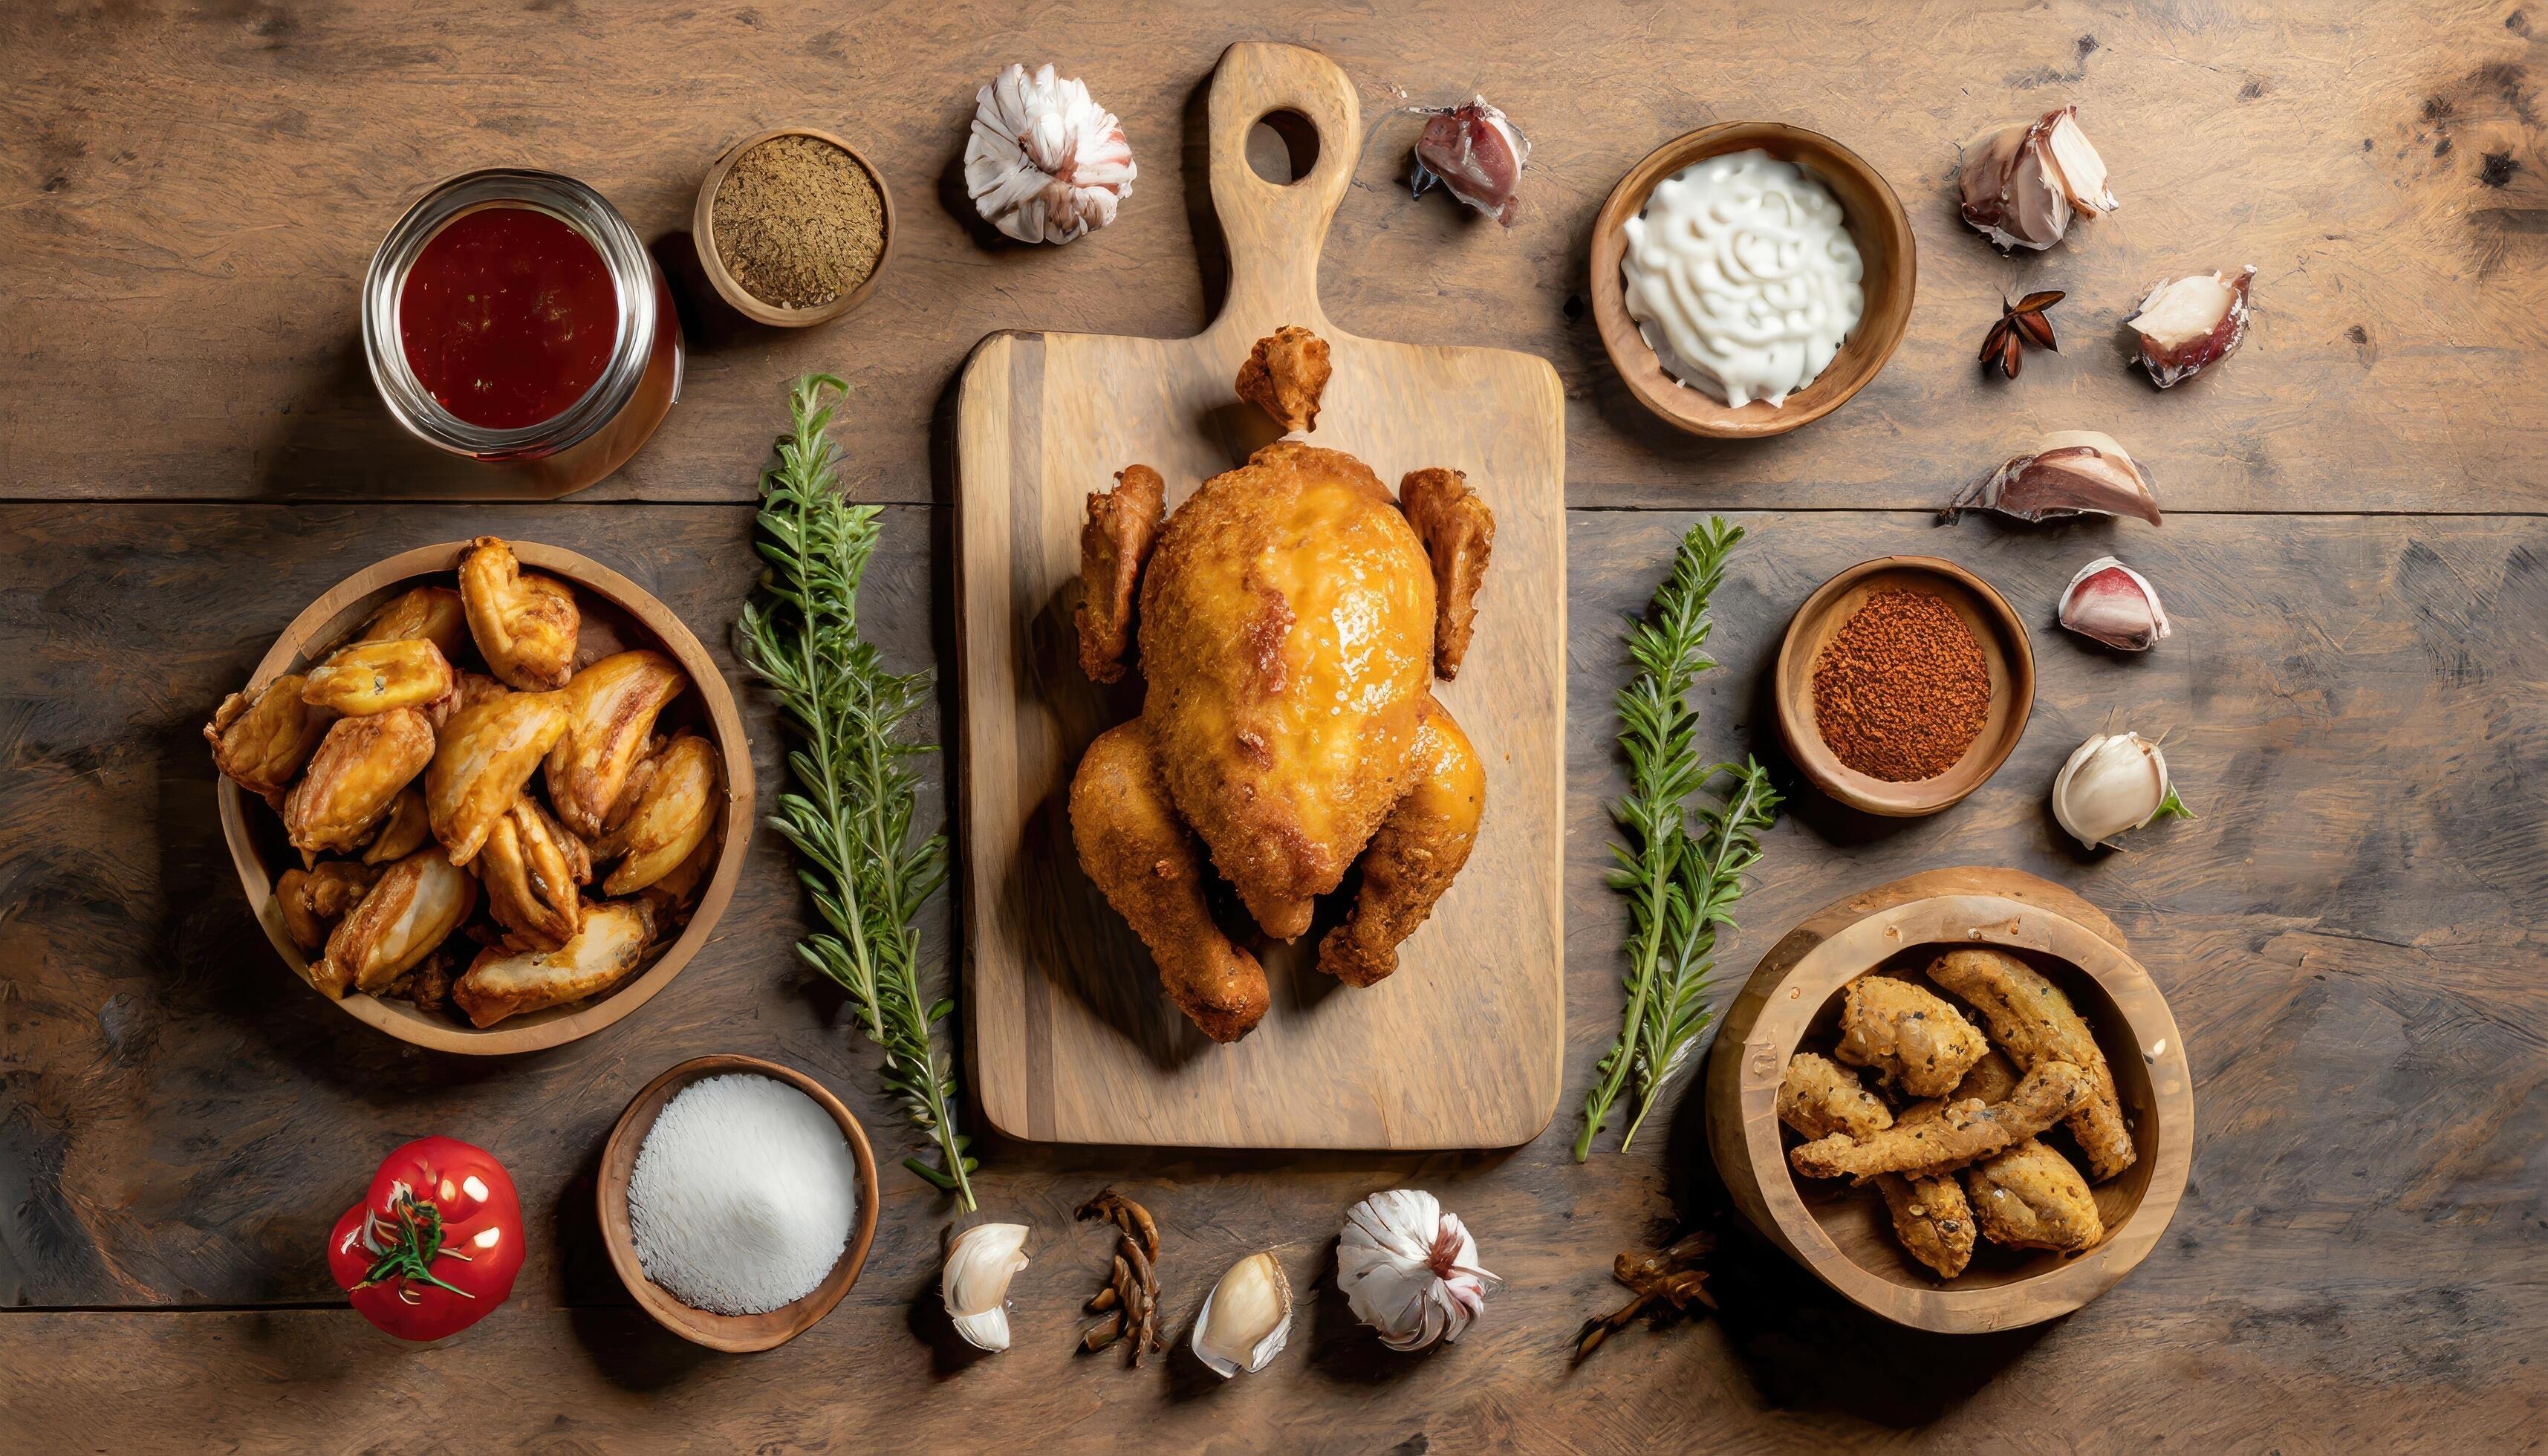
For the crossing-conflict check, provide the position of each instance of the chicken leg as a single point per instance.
(1151, 868)
(1413, 858)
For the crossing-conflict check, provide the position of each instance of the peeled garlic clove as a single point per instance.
(2069, 472)
(1247, 1320)
(2188, 324)
(975, 1284)
(2022, 183)
(1410, 1270)
(2115, 782)
(2114, 604)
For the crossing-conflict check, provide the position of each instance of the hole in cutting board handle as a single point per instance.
(1283, 147)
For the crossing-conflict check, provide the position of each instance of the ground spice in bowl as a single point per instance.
(798, 221)
(1903, 690)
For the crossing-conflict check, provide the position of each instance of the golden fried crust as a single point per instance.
(354, 780)
(1914, 1039)
(533, 869)
(313, 899)
(524, 623)
(1413, 856)
(1933, 1219)
(415, 906)
(1819, 1098)
(1287, 636)
(504, 983)
(403, 832)
(488, 750)
(427, 613)
(1284, 376)
(1459, 534)
(2029, 1197)
(1132, 846)
(2031, 1018)
(1960, 1133)
(363, 678)
(261, 740)
(1123, 524)
(671, 814)
(611, 711)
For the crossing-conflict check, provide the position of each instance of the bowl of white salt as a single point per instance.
(738, 1198)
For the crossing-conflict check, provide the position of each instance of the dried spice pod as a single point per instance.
(1130, 1298)
(1667, 1282)
(2188, 324)
(2069, 472)
(2023, 322)
(2023, 182)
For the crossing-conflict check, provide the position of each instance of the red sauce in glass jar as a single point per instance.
(508, 316)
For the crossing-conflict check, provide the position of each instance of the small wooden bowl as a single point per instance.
(737, 1335)
(2005, 650)
(1844, 1236)
(255, 834)
(704, 236)
(1875, 219)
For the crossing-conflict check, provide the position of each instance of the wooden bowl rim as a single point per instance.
(555, 1026)
(1865, 792)
(703, 237)
(1686, 407)
(737, 1334)
(1799, 992)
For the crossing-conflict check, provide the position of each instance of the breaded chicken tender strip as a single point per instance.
(2029, 1197)
(2035, 1023)
(1819, 1098)
(1910, 1035)
(1960, 1134)
(1931, 1215)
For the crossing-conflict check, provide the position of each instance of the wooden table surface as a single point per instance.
(2350, 935)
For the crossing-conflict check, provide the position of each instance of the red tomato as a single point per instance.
(435, 1248)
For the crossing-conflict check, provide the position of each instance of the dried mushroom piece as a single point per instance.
(366, 678)
(414, 907)
(533, 869)
(1123, 525)
(354, 780)
(1284, 376)
(1459, 535)
(610, 710)
(261, 738)
(487, 752)
(524, 623)
(501, 983)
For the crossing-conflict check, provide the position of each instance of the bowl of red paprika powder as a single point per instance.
(1903, 683)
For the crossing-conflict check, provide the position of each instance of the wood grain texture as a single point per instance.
(195, 189)
(2349, 937)
(1071, 1038)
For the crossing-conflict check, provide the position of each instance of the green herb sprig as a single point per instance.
(851, 818)
(1680, 871)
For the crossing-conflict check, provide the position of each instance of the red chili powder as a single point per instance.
(1901, 691)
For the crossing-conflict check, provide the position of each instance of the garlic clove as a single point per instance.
(1410, 1270)
(2188, 324)
(2021, 184)
(1477, 154)
(2076, 164)
(2114, 604)
(2113, 784)
(980, 1261)
(1247, 1320)
(2069, 472)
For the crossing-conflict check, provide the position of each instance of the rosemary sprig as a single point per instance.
(850, 820)
(1682, 876)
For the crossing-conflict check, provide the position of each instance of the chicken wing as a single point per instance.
(1123, 524)
(316, 898)
(1284, 376)
(1146, 861)
(365, 677)
(1413, 856)
(1459, 534)
(502, 982)
(1818, 1097)
(427, 613)
(354, 780)
(673, 811)
(2036, 1023)
(261, 740)
(1960, 1133)
(1911, 1036)
(533, 869)
(2029, 1197)
(611, 716)
(524, 623)
(489, 750)
(416, 905)
(403, 832)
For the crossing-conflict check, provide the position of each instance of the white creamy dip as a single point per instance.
(1742, 277)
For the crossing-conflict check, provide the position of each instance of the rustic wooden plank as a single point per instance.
(2345, 937)
(195, 191)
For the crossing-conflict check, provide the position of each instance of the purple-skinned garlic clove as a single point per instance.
(2021, 184)
(2069, 472)
(1475, 152)
(2114, 604)
(2188, 324)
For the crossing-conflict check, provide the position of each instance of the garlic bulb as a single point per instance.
(1046, 163)
(2022, 183)
(2114, 604)
(975, 1285)
(1247, 1320)
(1410, 1270)
(2115, 782)
(2069, 472)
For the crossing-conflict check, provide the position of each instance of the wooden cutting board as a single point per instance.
(1071, 1038)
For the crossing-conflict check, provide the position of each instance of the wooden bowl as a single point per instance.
(1874, 218)
(703, 235)
(617, 613)
(2005, 651)
(1844, 1234)
(733, 1333)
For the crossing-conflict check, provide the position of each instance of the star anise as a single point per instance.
(2020, 323)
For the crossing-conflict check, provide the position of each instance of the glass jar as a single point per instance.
(638, 384)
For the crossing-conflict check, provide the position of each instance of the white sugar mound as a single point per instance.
(743, 1195)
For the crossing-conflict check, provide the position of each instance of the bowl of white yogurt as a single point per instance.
(1749, 278)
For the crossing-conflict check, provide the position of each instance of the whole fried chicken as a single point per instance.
(1288, 633)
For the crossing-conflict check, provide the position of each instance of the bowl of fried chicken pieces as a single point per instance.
(487, 796)
(1956, 1099)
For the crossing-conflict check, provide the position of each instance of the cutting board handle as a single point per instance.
(1274, 231)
